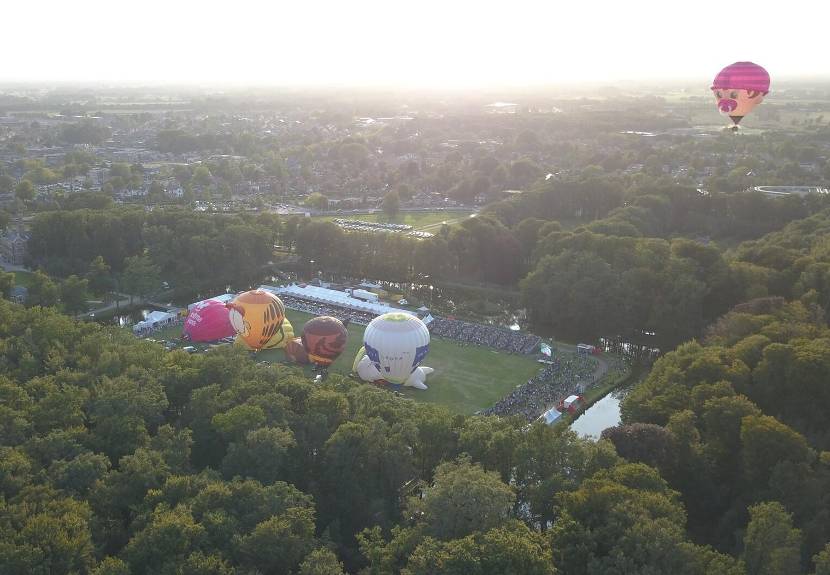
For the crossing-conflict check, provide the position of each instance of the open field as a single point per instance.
(466, 378)
(23, 279)
(423, 221)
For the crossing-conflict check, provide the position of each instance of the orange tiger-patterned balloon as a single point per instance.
(256, 316)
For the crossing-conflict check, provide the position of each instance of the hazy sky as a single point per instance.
(425, 43)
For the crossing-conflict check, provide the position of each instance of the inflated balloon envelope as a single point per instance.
(278, 341)
(324, 339)
(207, 321)
(394, 345)
(739, 88)
(257, 316)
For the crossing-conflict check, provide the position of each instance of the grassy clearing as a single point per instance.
(418, 220)
(23, 279)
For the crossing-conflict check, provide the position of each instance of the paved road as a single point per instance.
(12, 267)
(125, 302)
(602, 365)
(438, 225)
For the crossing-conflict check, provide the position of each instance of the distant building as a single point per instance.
(502, 108)
(13, 245)
(19, 294)
(781, 191)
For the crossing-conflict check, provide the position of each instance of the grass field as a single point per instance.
(424, 221)
(23, 279)
(466, 378)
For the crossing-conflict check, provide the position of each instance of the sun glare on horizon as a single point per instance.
(427, 44)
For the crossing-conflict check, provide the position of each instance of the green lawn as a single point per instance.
(418, 220)
(23, 279)
(466, 378)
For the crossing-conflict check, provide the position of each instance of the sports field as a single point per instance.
(466, 378)
(422, 221)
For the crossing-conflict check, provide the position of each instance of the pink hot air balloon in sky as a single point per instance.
(208, 321)
(740, 87)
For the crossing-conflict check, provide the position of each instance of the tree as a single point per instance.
(99, 276)
(527, 141)
(771, 545)
(391, 204)
(6, 284)
(527, 234)
(74, 294)
(111, 566)
(141, 276)
(262, 455)
(511, 549)
(25, 191)
(317, 201)
(279, 544)
(405, 191)
(768, 443)
(822, 561)
(478, 499)
(202, 176)
(45, 532)
(42, 291)
(6, 184)
(523, 173)
(156, 191)
(321, 562)
(168, 538)
(354, 152)
(643, 443)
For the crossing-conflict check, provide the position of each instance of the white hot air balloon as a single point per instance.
(395, 344)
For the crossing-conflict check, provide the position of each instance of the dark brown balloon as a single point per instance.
(295, 351)
(324, 339)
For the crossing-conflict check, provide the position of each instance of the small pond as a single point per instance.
(603, 414)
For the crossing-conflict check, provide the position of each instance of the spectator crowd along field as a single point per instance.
(567, 374)
(341, 313)
(499, 338)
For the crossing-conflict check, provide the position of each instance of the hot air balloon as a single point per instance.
(295, 351)
(257, 316)
(394, 346)
(738, 88)
(207, 321)
(324, 339)
(278, 341)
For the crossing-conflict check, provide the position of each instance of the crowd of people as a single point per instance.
(343, 314)
(565, 375)
(499, 338)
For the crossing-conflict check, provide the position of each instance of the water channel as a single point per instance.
(603, 414)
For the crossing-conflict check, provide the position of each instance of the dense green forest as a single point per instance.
(118, 457)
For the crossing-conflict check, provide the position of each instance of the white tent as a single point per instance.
(224, 298)
(550, 416)
(155, 319)
(332, 297)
